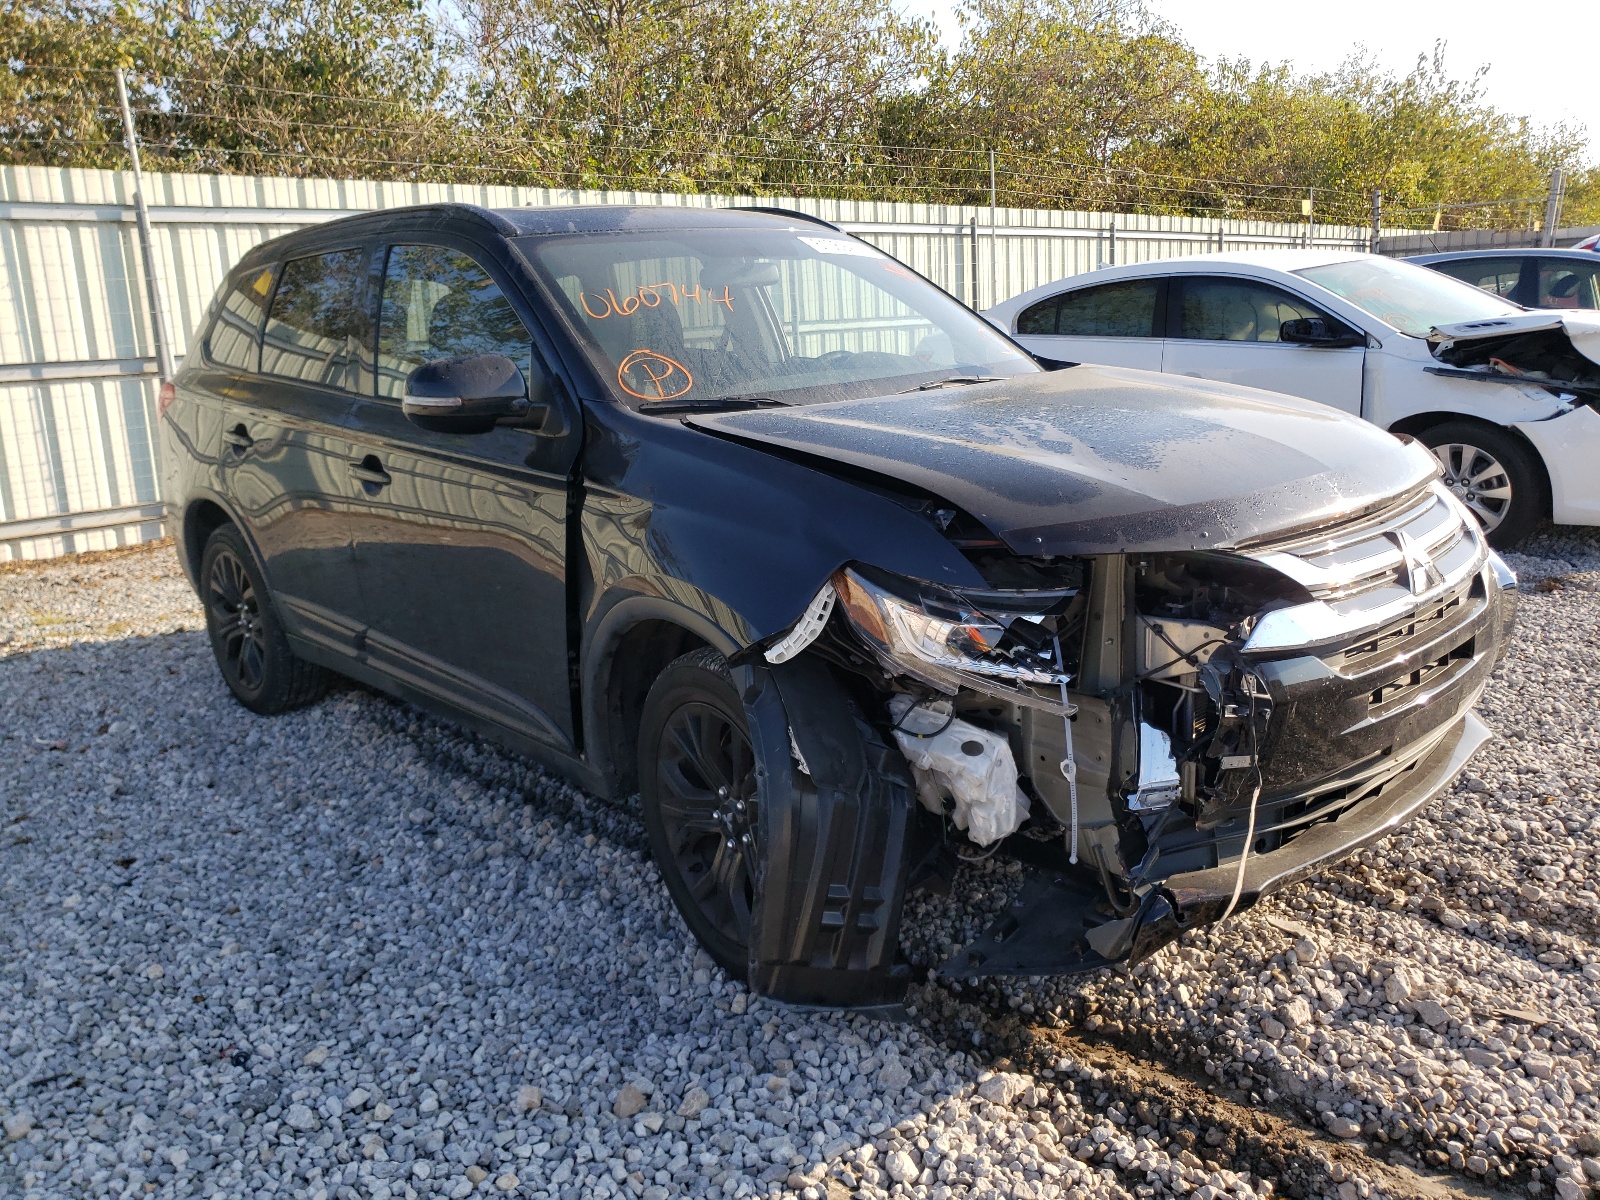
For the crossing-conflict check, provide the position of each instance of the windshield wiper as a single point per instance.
(710, 404)
(949, 381)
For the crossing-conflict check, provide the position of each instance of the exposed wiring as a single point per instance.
(1255, 796)
(1069, 765)
(899, 726)
(1184, 656)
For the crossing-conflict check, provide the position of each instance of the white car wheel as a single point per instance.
(1478, 479)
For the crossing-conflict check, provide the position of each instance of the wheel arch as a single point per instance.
(1419, 423)
(628, 647)
(203, 515)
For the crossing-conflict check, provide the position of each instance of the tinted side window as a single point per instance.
(1235, 310)
(1564, 283)
(1041, 318)
(1497, 275)
(1111, 310)
(316, 326)
(234, 339)
(439, 303)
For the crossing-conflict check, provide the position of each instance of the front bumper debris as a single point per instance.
(1058, 923)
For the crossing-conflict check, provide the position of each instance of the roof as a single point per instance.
(1248, 261)
(1589, 256)
(580, 218)
(537, 220)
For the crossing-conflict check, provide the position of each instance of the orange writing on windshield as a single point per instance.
(652, 376)
(650, 295)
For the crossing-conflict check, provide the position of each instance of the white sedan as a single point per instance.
(1505, 397)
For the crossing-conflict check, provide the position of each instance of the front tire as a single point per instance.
(247, 638)
(697, 782)
(1495, 474)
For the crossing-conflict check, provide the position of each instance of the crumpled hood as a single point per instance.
(1581, 327)
(1098, 460)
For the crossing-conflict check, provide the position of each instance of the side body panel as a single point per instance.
(1140, 353)
(286, 470)
(461, 557)
(1328, 376)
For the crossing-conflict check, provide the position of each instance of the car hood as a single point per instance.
(1582, 329)
(1098, 460)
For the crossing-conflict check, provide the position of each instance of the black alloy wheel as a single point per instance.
(246, 637)
(698, 787)
(234, 614)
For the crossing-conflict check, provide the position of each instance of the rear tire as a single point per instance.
(697, 783)
(247, 638)
(1495, 474)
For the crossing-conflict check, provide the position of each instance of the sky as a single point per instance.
(1541, 56)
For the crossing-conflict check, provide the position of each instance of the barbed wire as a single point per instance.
(1290, 190)
(861, 171)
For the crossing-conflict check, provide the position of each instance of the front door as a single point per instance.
(460, 543)
(1226, 328)
(284, 448)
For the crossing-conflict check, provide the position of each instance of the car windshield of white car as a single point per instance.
(692, 318)
(1412, 299)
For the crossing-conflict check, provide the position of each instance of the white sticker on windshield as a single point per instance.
(824, 245)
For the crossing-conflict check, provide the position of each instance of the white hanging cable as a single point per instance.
(1255, 795)
(1069, 765)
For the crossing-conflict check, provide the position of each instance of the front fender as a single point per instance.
(1569, 444)
(742, 535)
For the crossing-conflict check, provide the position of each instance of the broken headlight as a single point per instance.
(995, 642)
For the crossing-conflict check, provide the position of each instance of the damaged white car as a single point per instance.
(1504, 397)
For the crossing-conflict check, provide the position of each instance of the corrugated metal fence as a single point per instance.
(78, 451)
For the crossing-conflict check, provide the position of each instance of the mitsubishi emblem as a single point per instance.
(1421, 571)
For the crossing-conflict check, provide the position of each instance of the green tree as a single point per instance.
(1086, 103)
(1062, 89)
(728, 93)
(348, 87)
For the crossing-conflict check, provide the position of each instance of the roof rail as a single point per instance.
(784, 212)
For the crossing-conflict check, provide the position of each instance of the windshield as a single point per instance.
(1413, 299)
(707, 315)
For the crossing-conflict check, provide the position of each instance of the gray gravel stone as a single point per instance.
(325, 883)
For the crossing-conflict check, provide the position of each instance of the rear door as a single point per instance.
(283, 460)
(1114, 324)
(460, 541)
(1226, 327)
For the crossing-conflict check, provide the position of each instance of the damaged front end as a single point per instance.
(1558, 352)
(1164, 738)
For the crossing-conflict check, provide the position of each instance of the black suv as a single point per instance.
(732, 510)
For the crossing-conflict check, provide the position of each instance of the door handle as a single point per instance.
(370, 472)
(239, 438)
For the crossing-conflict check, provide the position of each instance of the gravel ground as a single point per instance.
(409, 965)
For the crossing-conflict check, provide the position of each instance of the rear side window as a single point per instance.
(1111, 310)
(1040, 319)
(234, 339)
(439, 303)
(1235, 310)
(1497, 275)
(316, 327)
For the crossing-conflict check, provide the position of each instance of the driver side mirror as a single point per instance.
(476, 393)
(1315, 331)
